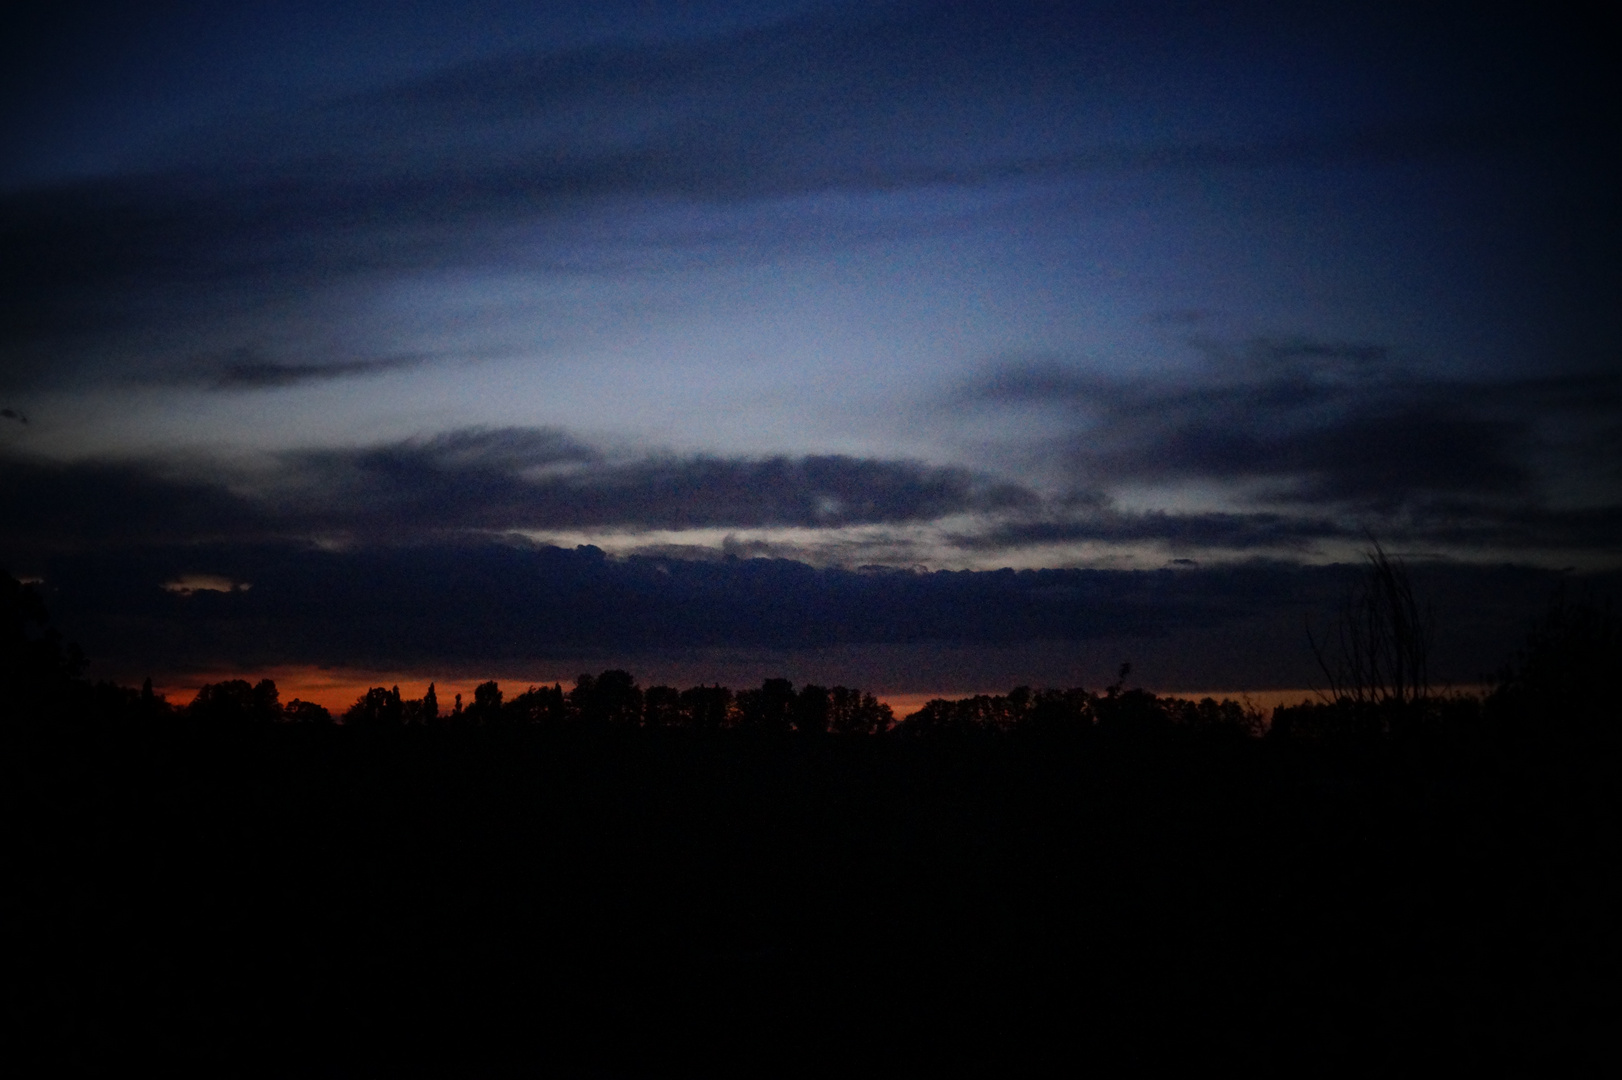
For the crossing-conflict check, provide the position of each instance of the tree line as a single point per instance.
(614, 698)
(1561, 683)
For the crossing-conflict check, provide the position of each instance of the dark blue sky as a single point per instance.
(952, 286)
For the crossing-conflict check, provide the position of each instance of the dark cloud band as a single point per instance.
(479, 480)
(503, 606)
(525, 480)
(1326, 431)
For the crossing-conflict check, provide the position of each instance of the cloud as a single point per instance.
(1306, 444)
(496, 162)
(64, 506)
(526, 479)
(191, 584)
(1458, 525)
(246, 371)
(1269, 532)
(485, 606)
(831, 510)
(504, 480)
(1310, 424)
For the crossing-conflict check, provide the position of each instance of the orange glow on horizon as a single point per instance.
(339, 688)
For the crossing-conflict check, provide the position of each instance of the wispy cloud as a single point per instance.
(830, 509)
(489, 481)
(490, 162)
(245, 371)
(1190, 531)
(1313, 424)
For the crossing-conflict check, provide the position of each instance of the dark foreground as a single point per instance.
(303, 898)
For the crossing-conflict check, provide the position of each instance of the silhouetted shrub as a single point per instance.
(1379, 651)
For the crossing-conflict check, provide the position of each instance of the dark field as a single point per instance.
(315, 898)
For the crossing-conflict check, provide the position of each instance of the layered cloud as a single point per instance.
(783, 254)
(1305, 450)
(243, 369)
(1304, 441)
(493, 482)
(418, 555)
(535, 161)
(481, 608)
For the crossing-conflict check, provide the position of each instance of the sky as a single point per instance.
(770, 334)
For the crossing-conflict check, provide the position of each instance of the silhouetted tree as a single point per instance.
(851, 712)
(151, 703)
(706, 708)
(813, 708)
(1053, 711)
(940, 716)
(35, 667)
(423, 710)
(770, 708)
(539, 705)
(486, 707)
(1050, 711)
(1336, 720)
(376, 708)
(1207, 714)
(610, 698)
(236, 699)
(980, 713)
(305, 712)
(580, 697)
(661, 707)
(1130, 712)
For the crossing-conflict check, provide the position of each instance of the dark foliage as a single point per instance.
(612, 699)
(306, 712)
(237, 699)
(539, 705)
(1564, 684)
(619, 881)
(377, 707)
(35, 668)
